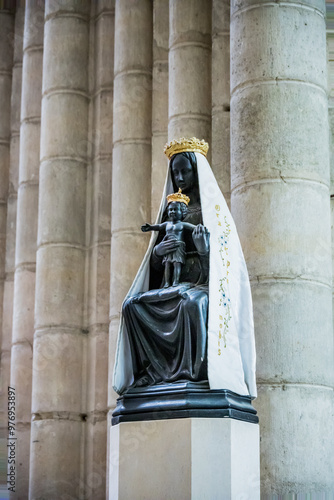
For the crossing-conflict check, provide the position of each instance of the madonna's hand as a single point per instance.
(201, 238)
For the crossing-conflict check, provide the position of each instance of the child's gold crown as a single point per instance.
(182, 198)
(183, 145)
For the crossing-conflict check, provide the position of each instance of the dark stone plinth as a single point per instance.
(182, 400)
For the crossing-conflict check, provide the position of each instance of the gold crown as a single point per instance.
(186, 145)
(181, 198)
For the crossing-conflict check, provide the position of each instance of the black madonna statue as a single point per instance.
(196, 335)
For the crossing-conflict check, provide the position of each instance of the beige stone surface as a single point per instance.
(269, 56)
(97, 367)
(6, 49)
(159, 102)
(124, 267)
(104, 44)
(65, 120)
(29, 151)
(56, 478)
(70, 7)
(27, 219)
(6, 63)
(282, 234)
(33, 26)
(10, 234)
(96, 451)
(275, 112)
(101, 202)
(15, 102)
(294, 351)
(179, 459)
(190, 61)
(66, 44)
(14, 160)
(301, 460)
(24, 304)
(220, 142)
(59, 286)
(62, 219)
(280, 202)
(131, 162)
(7, 318)
(58, 371)
(98, 307)
(135, 18)
(60, 347)
(21, 379)
(32, 80)
(103, 125)
(22, 452)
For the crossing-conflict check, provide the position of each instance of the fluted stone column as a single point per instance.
(190, 69)
(13, 183)
(330, 51)
(6, 65)
(159, 101)
(131, 170)
(220, 143)
(26, 237)
(102, 25)
(280, 202)
(59, 371)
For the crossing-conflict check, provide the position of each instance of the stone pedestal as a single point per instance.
(188, 459)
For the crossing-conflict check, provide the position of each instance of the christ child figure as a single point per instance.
(174, 227)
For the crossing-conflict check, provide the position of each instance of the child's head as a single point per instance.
(177, 210)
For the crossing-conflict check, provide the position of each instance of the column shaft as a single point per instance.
(6, 65)
(102, 26)
(280, 201)
(190, 69)
(26, 236)
(131, 171)
(220, 143)
(159, 101)
(59, 368)
(330, 45)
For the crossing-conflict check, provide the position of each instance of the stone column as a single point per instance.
(190, 69)
(330, 46)
(280, 201)
(26, 237)
(59, 368)
(102, 26)
(220, 142)
(131, 170)
(159, 101)
(6, 64)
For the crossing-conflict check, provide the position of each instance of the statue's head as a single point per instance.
(177, 210)
(184, 171)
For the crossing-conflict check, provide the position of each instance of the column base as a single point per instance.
(182, 400)
(190, 458)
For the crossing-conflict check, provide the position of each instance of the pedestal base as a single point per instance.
(182, 400)
(184, 459)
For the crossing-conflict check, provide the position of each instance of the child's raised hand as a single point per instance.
(146, 227)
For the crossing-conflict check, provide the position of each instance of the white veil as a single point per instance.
(231, 345)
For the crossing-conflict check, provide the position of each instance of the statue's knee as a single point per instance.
(126, 305)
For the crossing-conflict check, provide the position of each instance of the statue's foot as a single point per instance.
(166, 285)
(176, 283)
